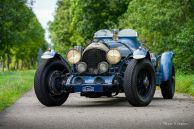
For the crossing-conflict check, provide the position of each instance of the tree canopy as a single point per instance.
(164, 25)
(21, 35)
(77, 20)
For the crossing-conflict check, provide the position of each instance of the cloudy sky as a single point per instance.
(44, 10)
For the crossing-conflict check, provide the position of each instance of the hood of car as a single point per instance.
(106, 46)
(96, 45)
(123, 49)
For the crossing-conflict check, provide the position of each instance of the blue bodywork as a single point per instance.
(166, 65)
(90, 84)
(130, 48)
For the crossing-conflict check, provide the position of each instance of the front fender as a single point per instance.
(166, 64)
(140, 53)
(50, 55)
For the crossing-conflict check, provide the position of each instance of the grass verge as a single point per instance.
(185, 83)
(13, 84)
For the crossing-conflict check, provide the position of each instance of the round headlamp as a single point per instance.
(103, 67)
(113, 56)
(81, 67)
(73, 56)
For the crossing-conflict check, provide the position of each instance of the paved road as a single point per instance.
(101, 113)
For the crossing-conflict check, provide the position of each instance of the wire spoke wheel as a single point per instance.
(139, 82)
(143, 83)
(48, 83)
(55, 83)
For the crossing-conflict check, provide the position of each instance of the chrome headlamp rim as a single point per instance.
(111, 61)
(77, 67)
(100, 70)
(79, 58)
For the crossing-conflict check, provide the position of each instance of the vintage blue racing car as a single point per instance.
(112, 63)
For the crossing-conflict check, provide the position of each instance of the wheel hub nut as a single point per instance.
(146, 82)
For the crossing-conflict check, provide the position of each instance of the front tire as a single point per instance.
(139, 82)
(48, 83)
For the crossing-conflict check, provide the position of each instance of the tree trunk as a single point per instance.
(17, 64)
(3, 64)
(22, 65)
(8, 61)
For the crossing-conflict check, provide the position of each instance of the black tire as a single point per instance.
(138, 74)
(42, 82)
(168, 87)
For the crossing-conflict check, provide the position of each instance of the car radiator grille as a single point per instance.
(92, 58)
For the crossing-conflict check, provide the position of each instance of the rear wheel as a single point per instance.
(139, 82)
(48, 83)
(168, 87)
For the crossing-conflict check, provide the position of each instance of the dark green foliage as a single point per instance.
(77, 20)
(21, 35)
(162, 24)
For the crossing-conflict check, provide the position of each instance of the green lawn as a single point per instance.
(185, 83)
(13, 85)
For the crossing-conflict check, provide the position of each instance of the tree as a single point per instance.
(164, 25)
(20, 32)
(76, 20)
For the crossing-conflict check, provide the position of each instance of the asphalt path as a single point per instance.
(100, 113)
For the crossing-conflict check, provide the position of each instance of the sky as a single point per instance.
(44, 10)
